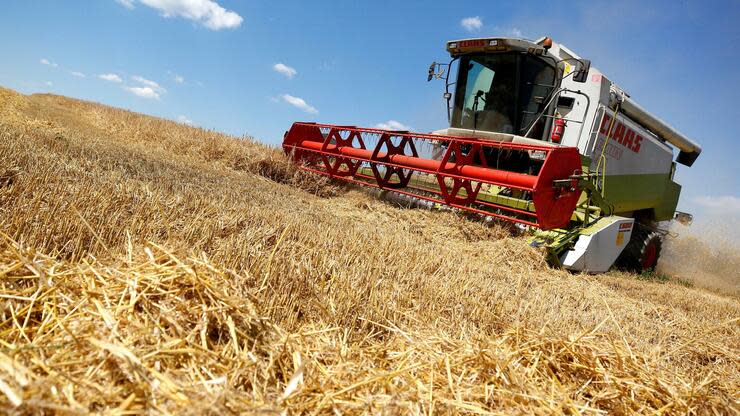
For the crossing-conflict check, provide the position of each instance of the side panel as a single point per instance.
(636, 192)
(631, 150)
(596, 88)
(667, 207)
(637, 166)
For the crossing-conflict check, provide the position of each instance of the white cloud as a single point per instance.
(129, 4)
(392, 125)
(148, 83)
(49, 84)
(184, 120)
(299, 103)
(724, 203)
(77, 74)
(46, 62)
(289, 72)
(206, 12)
(472, 24)
(143, 92)
(110, 77)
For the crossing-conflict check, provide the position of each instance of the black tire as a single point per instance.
(642, 251)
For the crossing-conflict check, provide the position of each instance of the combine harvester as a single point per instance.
(537, 137)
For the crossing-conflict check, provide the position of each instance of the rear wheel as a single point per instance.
(642, 251)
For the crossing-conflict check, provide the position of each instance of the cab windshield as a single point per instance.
(502, 93)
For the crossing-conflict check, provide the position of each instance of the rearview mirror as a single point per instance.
(582, 68)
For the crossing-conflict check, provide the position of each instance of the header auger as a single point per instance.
(537, 137)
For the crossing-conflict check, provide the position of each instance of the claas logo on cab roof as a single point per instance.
(473, 45)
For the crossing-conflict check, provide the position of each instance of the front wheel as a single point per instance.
(642, 251)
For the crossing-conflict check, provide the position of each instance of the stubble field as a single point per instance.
(151, 267)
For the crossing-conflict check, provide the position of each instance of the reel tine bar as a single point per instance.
(524, 187)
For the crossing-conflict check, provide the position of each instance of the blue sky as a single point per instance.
(212, 62)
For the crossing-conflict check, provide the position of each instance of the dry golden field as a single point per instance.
(151, 267)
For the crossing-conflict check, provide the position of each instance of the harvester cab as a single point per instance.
(537, 137)
(503, 85)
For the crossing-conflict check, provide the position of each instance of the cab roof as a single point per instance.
(495, 44)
